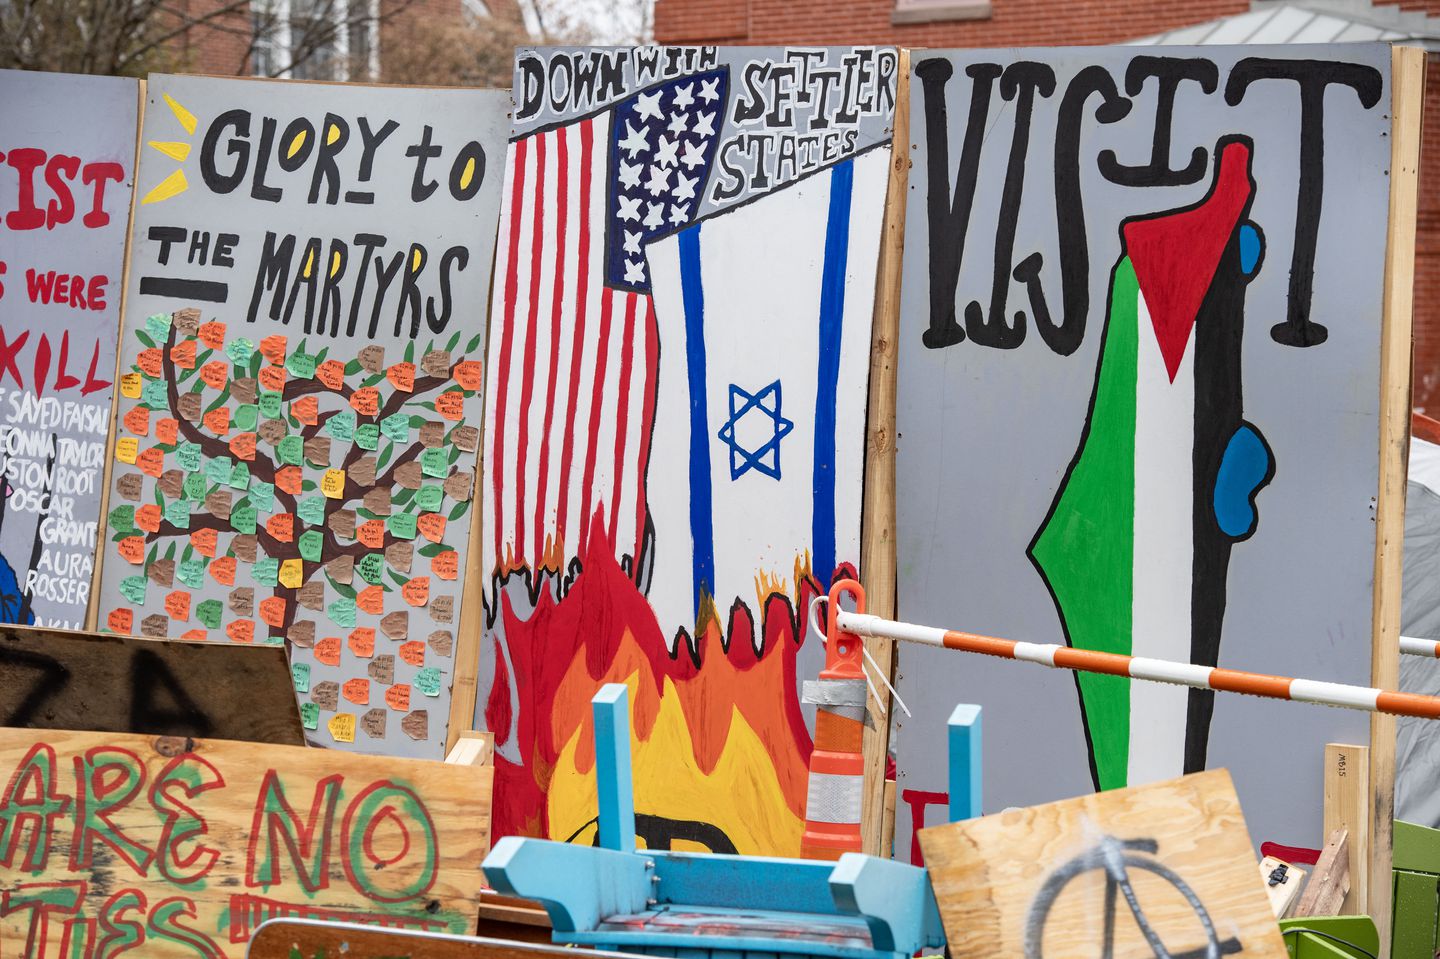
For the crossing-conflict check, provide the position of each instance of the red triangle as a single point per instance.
(1175, 254)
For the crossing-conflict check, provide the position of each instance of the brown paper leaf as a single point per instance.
(442, 608)
(325, 694)
(417, 724)
(409, 475)
(189, 407)
(432, 434)
(436, 363)
(273, 431)
(442, 641)
(373, 722)
(302, 634)
(396, 625)
(342, 523)
(311, 595)
(382, 669)
(218, 504)
(155, 625)
(244, 389)
(466, 437)
(362, 473)
(458, 486)
(317, 451)
(245, 546)
(172, 484)
(128, 485)
(400, 555)
(161, 572)
(372, 358)
(242, 601)
(341, 569)
(187, 321)
(377, 501)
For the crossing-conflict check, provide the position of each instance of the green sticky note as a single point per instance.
(367, 436)
(300, 672)
(187, 455)
(177, 513)
(427, 681)
(341, 425)
(310, 715)
(266, 570)
(402, 525)
(342, 612)
(311, 510)
(371, 567)
(195, 487)
(428, 498)
(240, 476)
(240, 350)
(301, 366)
(263, 496)
(191, 572)
(158, 326)
(290, 450)
(245, 417)
(242, 518)
(122, 519)
(269, 402)
(273, 641)
(435, 462)
(396, 427)
(155, 395)
(312, 541)
(133, 589)
(209, 612)
(219, 469)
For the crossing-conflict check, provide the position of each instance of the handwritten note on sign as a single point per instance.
(181, 848)
(1165, 869)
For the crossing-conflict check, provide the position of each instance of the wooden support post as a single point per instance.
(877, 531)
(1407, 95)
(1347, 807)
(611, 708)
(965, 765)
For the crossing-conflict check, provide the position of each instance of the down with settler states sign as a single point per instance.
(300, 386)
(178, 848)
(67, 158)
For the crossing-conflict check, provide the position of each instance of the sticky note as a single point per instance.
(332, 484)
(240, 350)
(191, 572)
(435, 462)
(122, 519)
(342, 727)
(208, 612)
(428, 498)
(130, 385)
(311, 510)
(402, 525)
(310, 715)
(341, 425)
(396, 427)
(126, 449)
(245, 417)
(367, 436)
(269, 404)
(240, 476)
(177, 513)
(312, 541)
(242, 518)
(427, 681)
(371, 567)
(133, 589)
(300, 672)
(266, 570)
(263, 495)
(301, 365)
(290, 450)
(342, 612)
(292, 573)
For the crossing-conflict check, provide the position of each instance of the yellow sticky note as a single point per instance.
(342, 727)
(126, 449)
(292, 574)
(332, 484)
(130, 385)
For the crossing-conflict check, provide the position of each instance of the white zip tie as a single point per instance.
(879, 673)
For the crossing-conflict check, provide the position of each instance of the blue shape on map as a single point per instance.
(1246, 466)
(765, 405)
(1251, 246)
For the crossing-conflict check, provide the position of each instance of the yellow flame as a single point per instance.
(186, 118)
(173, 149)
(173, 185)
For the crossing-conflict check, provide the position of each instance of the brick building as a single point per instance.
(1014, 23)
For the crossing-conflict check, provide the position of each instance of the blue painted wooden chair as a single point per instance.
(704, 906)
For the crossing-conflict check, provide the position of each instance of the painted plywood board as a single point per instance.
(1140, 408)
(300, 387)
(65, 187)
(675, 422)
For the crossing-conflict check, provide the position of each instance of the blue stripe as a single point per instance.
(702, 530)
(832, 319)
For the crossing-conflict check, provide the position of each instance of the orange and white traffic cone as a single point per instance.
(837, 766)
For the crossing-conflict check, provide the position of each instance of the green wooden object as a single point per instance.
(1417, 848)
(1334, 937)
(1415, 908)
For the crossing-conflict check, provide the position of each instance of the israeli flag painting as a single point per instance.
(757, 456)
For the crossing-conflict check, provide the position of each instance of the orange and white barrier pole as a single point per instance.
(1411, 646)
(846, 628)
(837, 767)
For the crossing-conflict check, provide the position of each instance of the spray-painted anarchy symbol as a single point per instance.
(1115, 857)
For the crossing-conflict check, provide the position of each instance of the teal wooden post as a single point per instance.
(611, 709)
(965, 770)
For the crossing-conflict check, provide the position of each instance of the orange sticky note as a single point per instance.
(151, 461)
(217, 420)
(241, 631)
(417, 591)
(214, 374)
(177, 604)
(357, 691)
(212, 334)
(167, 430)
(147, 518)
(281, 526)
(445, 565)
(289, 479)
(371, 532)
(272, 610)
(151, 362)
(402, 377)
(450, 405)
(137, 421)
(182, 354)
(306, 409)
(204, 542)
(413, 652)
(327, 651)
(371, 599)
(242, 445)
(366, 401)
(331, 373)
(272, 378)
(431, 526)
(194, 634)
(467, 374)
(119, 620)
(223, 569)
(397, 697)
(273, 349)
(132, 549)
(362, 642)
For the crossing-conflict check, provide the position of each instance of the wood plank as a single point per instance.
(1329, 881)
(877, 530)
(199, 841)
(1347, 807)
(1037, 880)
(464, 684)
(1415, 914)
(473, 749)
(1407, 78)
(1286, 889)
(295, 939)
(58, 679)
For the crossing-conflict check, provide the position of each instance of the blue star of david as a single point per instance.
(766, 457)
